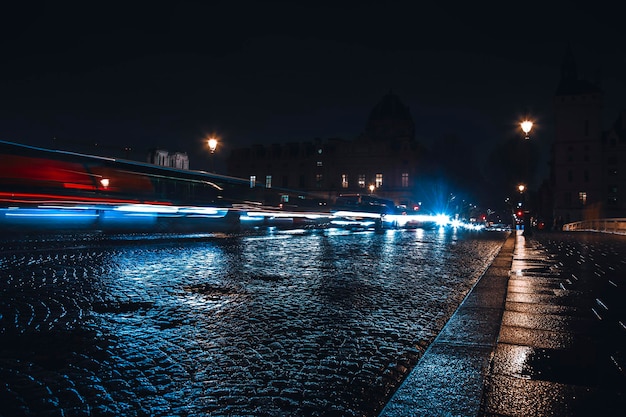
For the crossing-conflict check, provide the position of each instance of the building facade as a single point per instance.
(383, 161)
(162, 157)
(588, 165)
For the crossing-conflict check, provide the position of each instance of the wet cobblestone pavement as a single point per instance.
(272, 324)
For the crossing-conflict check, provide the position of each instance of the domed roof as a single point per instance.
(390, 108)
(390, 119)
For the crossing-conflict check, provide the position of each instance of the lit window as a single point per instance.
(379, 180)
(344, 180)
(319, 163)
(361, 180)
(405, 179)
(582, 196)
(252, 181)
(268, 181)
(284, 198)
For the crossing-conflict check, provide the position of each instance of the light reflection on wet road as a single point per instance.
(561, 345)
(314, 323)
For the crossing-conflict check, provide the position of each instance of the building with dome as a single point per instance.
(383, 161)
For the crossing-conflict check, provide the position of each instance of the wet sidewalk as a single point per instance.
(541, 334)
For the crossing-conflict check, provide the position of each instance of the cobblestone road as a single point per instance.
(272, 324)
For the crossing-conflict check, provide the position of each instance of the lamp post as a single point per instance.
(526, 126)
(212, 146)
(522, 210)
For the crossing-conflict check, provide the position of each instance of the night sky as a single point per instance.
(156, 74)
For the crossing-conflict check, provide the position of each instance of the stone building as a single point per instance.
(384, 160)
(162, 157)
(588, 164)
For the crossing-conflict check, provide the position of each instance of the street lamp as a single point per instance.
(526, 126)
(525, 211)
(212, 146)
(372, 187)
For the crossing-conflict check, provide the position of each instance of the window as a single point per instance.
(344, 180)
(405, 179)
(379, 180)
(284, 198)
(361, 180)
(612, 172)
(268, 181)
(252, 181)
(318, 180)
(582, 197)
(319, 163)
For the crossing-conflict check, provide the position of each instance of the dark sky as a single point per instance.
(146, 74)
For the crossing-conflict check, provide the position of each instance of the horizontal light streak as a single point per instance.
(42, 198)
(42, 211)
(287, 214)
(354, 214)
(147, 208)
(110, 212)
(13, 214)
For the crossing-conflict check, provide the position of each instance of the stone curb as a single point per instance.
(448, 380)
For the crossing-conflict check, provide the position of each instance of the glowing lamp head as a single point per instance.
(526, 125)
(521, 188)
(212, 144)
(372, 188)
(104, 182)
